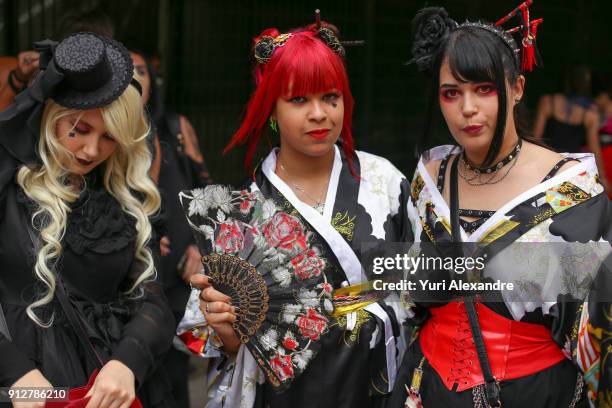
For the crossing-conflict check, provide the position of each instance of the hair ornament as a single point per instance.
(528, 30)
(332, 41)
(431, 27)
(83, 71)
(264, 48)
(504, 35)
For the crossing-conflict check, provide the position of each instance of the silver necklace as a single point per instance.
(319, 203)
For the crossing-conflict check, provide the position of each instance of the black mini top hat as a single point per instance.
(83, 71)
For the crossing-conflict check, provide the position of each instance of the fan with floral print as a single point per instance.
(269, 263)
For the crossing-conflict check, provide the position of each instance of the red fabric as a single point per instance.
(515, 349)
(606, 155)
(77, 398)
(193, 343)
(606, 151)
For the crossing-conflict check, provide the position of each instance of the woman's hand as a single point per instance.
(33, 379)
(114, 387)
(27, 64)
(218, 312)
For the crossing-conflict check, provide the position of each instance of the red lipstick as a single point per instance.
(473, 129)
(319, 134)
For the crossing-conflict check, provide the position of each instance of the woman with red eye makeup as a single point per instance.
(346, 198)
(524, 215)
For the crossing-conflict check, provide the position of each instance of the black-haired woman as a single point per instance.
(538, 345)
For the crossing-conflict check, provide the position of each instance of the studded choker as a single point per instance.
(498, 166)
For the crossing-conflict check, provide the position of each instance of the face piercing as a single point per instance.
(71, 134)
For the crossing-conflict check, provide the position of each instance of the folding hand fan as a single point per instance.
(269, 263)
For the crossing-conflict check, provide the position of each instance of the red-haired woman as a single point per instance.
(348, 197)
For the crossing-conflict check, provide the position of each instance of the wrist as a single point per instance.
(118, 367)
(31, 378)
(231, 348)
(231, 343)
(19, 78)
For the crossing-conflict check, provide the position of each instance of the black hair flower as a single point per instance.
(431, 26)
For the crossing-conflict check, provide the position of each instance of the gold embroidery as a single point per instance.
(290, 209)
(573, 192)
(605, 401)
(605, 337)
(352, 336)
(575, 326)
(498, 230)
(427, 230)
(417, 186)
(376, 388)
(565, 196)
(344, 224)
(541, 217)
(445, 224)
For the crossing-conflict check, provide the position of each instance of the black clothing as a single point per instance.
(177, 172)
(562, 136)
(97, 265)
(571, 210)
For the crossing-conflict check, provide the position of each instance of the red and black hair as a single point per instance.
(303, 65)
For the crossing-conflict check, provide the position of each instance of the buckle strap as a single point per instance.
(491, 385)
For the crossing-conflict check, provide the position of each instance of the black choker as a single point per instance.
(496, 167)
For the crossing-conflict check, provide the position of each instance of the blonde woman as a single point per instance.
(75, 203)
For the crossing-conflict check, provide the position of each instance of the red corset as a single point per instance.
(515, 349)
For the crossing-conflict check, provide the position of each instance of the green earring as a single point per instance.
(273, 125)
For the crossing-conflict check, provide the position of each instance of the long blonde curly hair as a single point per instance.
(125, 173)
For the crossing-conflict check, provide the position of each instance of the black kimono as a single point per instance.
(553, 243)
(356, 364)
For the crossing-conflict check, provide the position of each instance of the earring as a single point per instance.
(516, 101)
(273, 125)
(71, 134)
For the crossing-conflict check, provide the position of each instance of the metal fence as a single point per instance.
(203, 46)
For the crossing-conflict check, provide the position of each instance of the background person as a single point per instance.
(180, 166)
